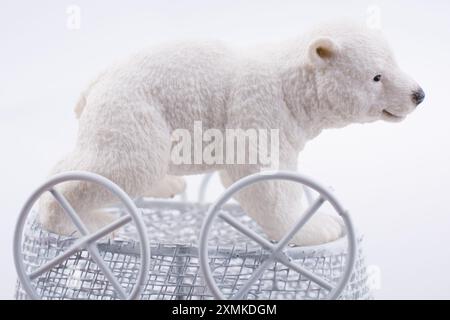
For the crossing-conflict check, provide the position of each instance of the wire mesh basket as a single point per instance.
(173, 228)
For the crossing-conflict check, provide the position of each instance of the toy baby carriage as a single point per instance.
(164, 254)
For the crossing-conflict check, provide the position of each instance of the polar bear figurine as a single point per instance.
(332, 76)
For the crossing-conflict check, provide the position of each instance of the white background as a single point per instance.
(394, 178)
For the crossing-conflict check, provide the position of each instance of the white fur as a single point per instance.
(321, 80)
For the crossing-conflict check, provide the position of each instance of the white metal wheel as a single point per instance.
(87, 240)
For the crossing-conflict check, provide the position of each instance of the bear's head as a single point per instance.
(356, 77)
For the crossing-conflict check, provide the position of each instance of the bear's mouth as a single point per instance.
(388, 116)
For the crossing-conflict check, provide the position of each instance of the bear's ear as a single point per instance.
(322, 50)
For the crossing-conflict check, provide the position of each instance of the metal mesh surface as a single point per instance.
(173, 229)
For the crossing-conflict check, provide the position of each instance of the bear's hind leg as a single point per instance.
(134, 157)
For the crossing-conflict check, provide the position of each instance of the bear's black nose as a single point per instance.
(418, 96)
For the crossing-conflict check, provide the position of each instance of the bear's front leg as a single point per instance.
(276, 206)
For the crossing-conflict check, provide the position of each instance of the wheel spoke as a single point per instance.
(255, 276)
(92, 248)
(80, 244)
(70, 211)
(100, 233)
(275, 250)
(304, 272)
(77, 246)
(308, 214)
(95, 254)
(244, 230)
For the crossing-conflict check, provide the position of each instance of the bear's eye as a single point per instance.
(377, 78)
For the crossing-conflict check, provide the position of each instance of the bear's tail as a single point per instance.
(79, 107)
